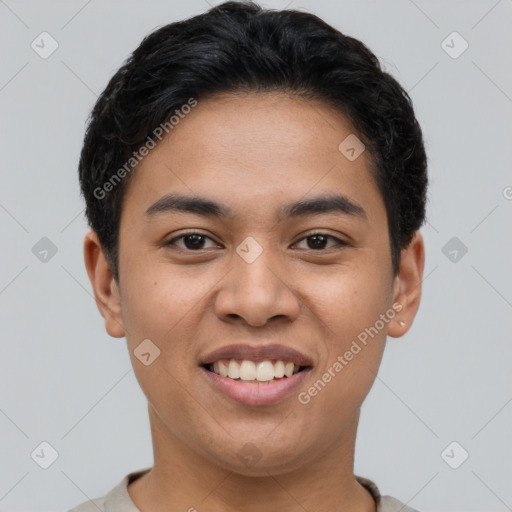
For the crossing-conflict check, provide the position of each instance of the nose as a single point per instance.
(256, 292)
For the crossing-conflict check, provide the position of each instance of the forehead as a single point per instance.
(252, 129)
(255, 151)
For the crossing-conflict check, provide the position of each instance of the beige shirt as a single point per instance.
(118, 499)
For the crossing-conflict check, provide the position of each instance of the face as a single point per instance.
(291, 263)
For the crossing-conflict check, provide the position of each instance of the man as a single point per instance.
(255, 184)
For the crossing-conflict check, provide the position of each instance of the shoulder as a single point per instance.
(389, 504)
(384, 503)
(90, 506)
(116, 500)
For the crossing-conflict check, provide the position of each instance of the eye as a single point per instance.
(192, 241)
(318, 241)
(195, 241)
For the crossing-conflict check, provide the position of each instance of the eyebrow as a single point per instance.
(208, 208)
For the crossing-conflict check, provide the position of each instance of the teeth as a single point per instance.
(279, 369)
(265, 371)
(246, 370)
(233, 369)
(223, 369)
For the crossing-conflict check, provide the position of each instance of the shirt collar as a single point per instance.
(118, 498)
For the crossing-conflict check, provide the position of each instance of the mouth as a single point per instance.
(254, 372)
(255, 375)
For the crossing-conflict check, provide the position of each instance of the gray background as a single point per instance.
(63, 380)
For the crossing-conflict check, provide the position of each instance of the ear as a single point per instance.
(106, 290)
(407, 286)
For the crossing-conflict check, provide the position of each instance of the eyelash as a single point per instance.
(339, 242)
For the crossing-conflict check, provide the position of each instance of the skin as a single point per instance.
(254, 153)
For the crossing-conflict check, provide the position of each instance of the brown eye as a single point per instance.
(319, 241)
(190, 241)
(193, 241)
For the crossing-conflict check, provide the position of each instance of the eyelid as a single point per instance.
(339, 241)
(173, 240)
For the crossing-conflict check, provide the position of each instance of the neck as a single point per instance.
(183, 480)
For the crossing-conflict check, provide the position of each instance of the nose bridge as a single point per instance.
(254, 289)
(256, 267)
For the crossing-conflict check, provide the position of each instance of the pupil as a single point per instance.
(193, 241)
(318, 238)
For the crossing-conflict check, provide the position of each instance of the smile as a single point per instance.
(255, 374)
(251, 391)
(254, 371)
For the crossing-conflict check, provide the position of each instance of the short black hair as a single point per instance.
(239, 47)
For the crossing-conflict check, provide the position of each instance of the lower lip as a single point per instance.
(254, 393)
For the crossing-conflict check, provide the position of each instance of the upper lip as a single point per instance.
(257, 353)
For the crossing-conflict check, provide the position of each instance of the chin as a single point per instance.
(261, 460)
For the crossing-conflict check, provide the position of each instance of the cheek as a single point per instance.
(155, 300)
(350, 300)
(356, 309)
(165, 307)
(161, 308)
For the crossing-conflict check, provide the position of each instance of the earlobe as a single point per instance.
(106, 290)
(407, 286)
